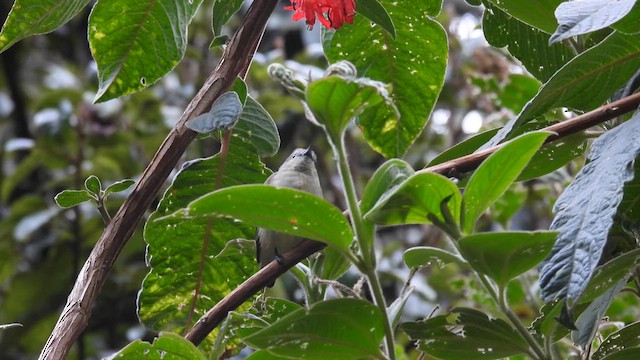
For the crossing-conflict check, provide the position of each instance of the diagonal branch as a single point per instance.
(235, 61)
(269, 273)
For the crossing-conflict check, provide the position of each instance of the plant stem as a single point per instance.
(365, 242)
(500, 299)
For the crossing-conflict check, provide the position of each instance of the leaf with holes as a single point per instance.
(354, 331)
(465, 334)
(413, 64)
(136, 42)
(285, 210)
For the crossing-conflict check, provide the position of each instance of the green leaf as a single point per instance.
(258, 128)
(167, 293)
(463, 148)
(585, 83)
(577, 18)
(224, 114)
(609, 274)
(354, 331)
(553, 156)
(119, 186)
(630, 24)
(495, 175)
(222, 12)
(240, 88)
(627, 337)
(421, 256)
(505, 255)
(280, 209)
(335, 100)
(270, 310)
(412, 201)
(333, 264)
(92, 183)
(465, 334)
(136, 42)
(590, 319)
(547, 325)
(414, 65)
(167, 346)
(626, 354)
(28, 17)
(374, 11)
(537, 13)
(389, 175)
(527, 44)
(70, 198)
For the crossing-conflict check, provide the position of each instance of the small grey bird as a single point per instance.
(297, 172)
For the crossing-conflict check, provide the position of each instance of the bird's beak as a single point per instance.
(309, 153)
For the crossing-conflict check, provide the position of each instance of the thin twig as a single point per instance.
(235, 60)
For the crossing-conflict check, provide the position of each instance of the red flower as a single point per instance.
(331, 13)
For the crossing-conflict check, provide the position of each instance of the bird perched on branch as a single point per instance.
(297, 172)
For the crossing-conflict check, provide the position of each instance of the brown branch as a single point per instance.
(269, 273)
(235, 61)
(562, 129)
(250, 287)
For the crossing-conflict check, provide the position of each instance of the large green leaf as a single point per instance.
(537, 13)
(181, 248)
(413, 64)
(585, 212)
(335, 100)
(505, 255)
(586, 82)
(333, 329)
(494, 175)
(281, 209)
(167, 346)
(136, 42)
(469, 334)
(415, 199)
(28, 17)
(529, 45)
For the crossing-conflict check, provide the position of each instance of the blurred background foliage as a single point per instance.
(52, 138)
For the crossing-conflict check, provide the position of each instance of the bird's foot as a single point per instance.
(279, 257)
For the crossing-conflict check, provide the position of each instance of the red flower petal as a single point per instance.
(331, 13)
